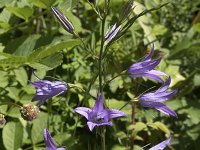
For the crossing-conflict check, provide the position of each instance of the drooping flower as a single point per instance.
(161, 145)
(49, 142)
(98, 116)
(63, 19)
(155, 99)
(112, 32)
(29, 112)
(46, 89)
(146, 67)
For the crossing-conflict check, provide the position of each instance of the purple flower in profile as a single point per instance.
(46, 89)
(161, 145)
(98, 116)
(155, 99)
(146, 67)
(112, 32)
(49, 142)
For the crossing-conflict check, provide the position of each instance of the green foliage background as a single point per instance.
(31, 38)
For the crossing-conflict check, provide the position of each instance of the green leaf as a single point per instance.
(12, 135)
(158, 30)
(22, 46)
(51, 49)
(23, 12)
(68, 4)
(38, 128)
(21, 76)
(42, 3)
(13, 62)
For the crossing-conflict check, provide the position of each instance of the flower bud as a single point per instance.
(64, 20)
(112, 32)
(126, 10)
(2, 120)
(29, 112)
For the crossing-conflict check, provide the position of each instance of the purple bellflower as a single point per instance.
(46, 89)
(49, 142)
(155, 99)
(112, 32)
(98, 116)
(161, 145)
(146, 67)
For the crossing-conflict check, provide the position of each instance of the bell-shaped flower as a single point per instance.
(67, 25)
(146, 67)
(49, 142)
(98, 116)
(46, 89)
(161, 145)
(155, 99)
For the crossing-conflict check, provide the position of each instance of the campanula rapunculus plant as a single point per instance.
(155, 99)
(67, 25)
(49, 142)
(161, 145)
(146, 67)
(98, 116)
(47, 89)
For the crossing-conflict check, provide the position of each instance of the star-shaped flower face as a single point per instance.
(98, 116)
(49, 142)
(155, 99)
(46, 89)
(145, 68)
(161, 145)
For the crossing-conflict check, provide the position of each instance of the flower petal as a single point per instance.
(49, 142)
(160, 107)
(143, 66)
(158, 97)
(148, 57)
(113, 113)
(83, 111)
(98, 106)
(91, 125)
(161, 145)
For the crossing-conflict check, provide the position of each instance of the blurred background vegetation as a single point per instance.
(31, 38)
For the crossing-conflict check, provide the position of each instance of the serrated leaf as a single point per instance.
(12, 135)
(23, 12)
(38, 128)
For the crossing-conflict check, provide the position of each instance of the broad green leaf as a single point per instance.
(46, 4)
(119, 147)
(13, 92)
(38, 128)
(13, 62)
(22, 46)
(14, 112)
(12, 135)
(4, 19)
(5, 2)
(21, 76)
(161, 126)
(23, 13)
(51, 49)
(68, 4)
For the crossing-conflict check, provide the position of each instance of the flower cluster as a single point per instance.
(154, 100)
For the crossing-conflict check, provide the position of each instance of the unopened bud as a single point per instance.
(2, 120)
(29, 112)
(126, 11)
(112, 32)
(64, 20)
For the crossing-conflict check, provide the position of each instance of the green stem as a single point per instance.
(101, 53)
